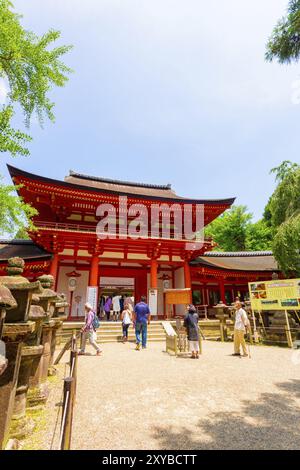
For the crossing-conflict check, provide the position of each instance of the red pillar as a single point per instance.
(187, 278)
(94, 271)
(54, 267)
(153, 274)
(222, 291)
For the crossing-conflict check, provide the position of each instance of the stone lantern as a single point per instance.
(7, 301)
(21, 290)
(30, 360)
(42, 311)
(222, 314)
(13, 335)
(58, 317)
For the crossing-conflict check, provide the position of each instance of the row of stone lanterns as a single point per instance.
(31, 314)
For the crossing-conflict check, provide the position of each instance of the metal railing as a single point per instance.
(70, 385)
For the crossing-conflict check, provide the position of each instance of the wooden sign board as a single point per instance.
(92, 297)
(280, 294)
(178, 296)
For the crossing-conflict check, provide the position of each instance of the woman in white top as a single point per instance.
(126, 318)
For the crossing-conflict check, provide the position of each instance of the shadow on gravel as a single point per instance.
(272, 422)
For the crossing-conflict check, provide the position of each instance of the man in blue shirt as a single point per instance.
(141, 319)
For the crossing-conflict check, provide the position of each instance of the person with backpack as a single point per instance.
(89, 330)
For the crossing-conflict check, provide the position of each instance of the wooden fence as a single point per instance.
(70, 384)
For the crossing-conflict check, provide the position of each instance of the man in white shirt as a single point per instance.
(240, 327)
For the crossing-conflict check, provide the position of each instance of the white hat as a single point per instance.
(88, 306)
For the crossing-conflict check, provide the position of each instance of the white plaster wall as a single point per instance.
(80, 291)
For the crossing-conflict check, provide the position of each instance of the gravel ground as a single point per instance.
(150, 400)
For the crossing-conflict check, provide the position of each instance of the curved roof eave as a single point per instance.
(13, 171)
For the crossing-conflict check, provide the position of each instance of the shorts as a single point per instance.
(194, 346)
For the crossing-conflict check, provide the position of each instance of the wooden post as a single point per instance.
(94, 271)
(153, 273)
(262, 322)
(222, 331)
(200, 342)
(254, 327)
(67, 415)
(187, 279)
(222, 291)
(288, 330)
(54, 267)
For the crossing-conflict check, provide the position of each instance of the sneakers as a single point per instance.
(138, 347)
(236, 354)
(98, 353)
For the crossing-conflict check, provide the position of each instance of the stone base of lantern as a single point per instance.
(13, 335)
(28, 356)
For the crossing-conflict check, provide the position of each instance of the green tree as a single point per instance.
(31, 67)
(14, 213)
(235, 231)
(258, 236)
(284, 207)
(284, 44)
(229, 230)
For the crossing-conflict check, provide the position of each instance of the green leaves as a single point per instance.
(284, 207)
(31, 69)
(11, 140)
(14, 213)
(234, 231)
(284, 44)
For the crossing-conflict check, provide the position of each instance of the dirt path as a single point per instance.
(149, 400)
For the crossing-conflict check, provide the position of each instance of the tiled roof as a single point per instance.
(238, 261)
(25, 249)
(115, 187)
(74, 174)
(121, 186)
(235, 254)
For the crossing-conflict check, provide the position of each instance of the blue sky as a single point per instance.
(168, 91)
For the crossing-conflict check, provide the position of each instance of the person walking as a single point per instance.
(141, 318)
(116, 306)
(191, 325)
(89, 330)
(240, 327)
(126, 318)
(107, 307)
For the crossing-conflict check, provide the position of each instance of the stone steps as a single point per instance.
(110, 332)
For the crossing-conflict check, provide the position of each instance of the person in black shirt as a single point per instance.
(191, 325)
